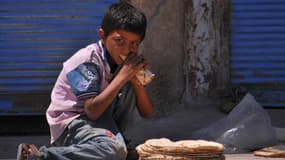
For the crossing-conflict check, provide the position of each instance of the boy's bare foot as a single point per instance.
(27, 152)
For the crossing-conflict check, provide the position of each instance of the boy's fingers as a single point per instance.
(147, 66)
(135, 60)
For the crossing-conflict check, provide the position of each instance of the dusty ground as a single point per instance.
(177, 126)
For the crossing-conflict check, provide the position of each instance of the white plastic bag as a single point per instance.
(246, 128)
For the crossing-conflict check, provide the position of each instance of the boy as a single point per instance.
(95, 93)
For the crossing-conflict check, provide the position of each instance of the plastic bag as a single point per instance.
(247, 127)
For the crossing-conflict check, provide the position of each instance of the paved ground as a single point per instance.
(8, 147)
(228, 157)
(248, 157)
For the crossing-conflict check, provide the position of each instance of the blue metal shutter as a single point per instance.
(36, 36)
(258, 49)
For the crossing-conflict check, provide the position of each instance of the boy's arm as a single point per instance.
(95, 107)
(143, 100)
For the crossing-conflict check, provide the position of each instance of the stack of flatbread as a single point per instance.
(165, 149)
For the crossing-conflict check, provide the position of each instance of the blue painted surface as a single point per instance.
(258, 49)
(36, 36)
(6, 105)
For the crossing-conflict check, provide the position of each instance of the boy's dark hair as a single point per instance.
(123, 15)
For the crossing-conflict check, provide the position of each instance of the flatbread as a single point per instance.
(273, 151)
(145, 76)
(201, 146)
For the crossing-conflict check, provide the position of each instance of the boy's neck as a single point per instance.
(112, 64)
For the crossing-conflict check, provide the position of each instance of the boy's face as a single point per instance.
(120, 42)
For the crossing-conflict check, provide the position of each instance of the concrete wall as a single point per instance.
(206, 48)
(187, 46)
(163, 47)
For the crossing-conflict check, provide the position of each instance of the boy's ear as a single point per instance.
(101, 34)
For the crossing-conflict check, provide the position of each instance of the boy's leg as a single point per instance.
(125, 113)
(96, 148)
(125, 107)
(82, 141)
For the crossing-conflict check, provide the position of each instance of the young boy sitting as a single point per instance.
(96, 92)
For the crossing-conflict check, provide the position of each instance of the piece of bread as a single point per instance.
(200, 146)
(273, 151)
(145, 76)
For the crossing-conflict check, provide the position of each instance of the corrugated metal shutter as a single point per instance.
(258, 49)
(36, 36)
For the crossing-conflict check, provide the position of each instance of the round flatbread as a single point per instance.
(200, 146)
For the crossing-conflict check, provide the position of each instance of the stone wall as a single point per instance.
(187, 46)
(163, 47)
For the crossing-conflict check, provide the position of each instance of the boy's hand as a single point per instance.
(131, 66)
